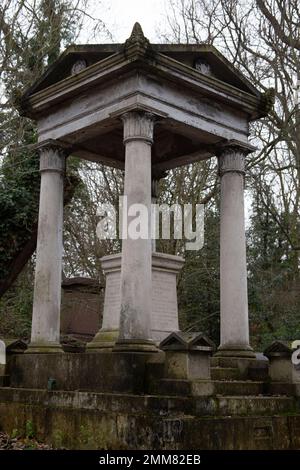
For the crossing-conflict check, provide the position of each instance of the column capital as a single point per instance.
(138, 125)
(52, 156)
(232, 156)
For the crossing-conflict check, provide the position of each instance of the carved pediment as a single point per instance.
(192, 341)
(201, 59)
(15, 345)
(278, 348)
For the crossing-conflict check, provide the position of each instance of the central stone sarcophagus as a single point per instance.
(164, 311)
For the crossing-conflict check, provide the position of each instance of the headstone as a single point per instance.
(81, 308)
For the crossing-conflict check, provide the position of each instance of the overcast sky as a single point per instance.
(120, 16)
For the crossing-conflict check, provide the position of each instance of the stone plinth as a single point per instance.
(281, 367)
(187, 356)
(164, 299)
(187, 364)
(105, 372)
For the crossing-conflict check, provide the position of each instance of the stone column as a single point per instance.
(47, 288)
(135, 316)
(233, 268)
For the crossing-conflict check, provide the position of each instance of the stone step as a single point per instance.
(238, 387)
(163, 405)
(249, 369)
(180, 387)
(225, 373)
(245, 405)
(208, 388)
(281, 388)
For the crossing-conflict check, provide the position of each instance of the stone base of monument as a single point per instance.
(87, 420)
(100, 400)
(41, 348)
(107, 372)
(238, 353)
(165, 269)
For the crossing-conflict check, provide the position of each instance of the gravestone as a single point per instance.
(81, 308)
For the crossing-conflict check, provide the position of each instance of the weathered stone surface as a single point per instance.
(107, 421)
(281, 367)
(234, 325)
(187, 365)
(81, 308)
(225, 373)
(187, 341)
(126, 77)
(187, 356)
(136, 285)
(240, 370)
(164, 310)
(248, 368)
(82, 371)
(196, 114)
(45, 329)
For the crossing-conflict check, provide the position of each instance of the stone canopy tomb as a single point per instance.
(146, 108)
(141, 383)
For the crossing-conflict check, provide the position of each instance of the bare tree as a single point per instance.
(261, 38)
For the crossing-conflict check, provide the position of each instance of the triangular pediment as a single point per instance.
(200, 58)
(278, 348)
(180, 340)
(15, 345)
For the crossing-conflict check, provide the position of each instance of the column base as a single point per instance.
(238, 351)
(138, 345)
(44, 348)
(104, 341)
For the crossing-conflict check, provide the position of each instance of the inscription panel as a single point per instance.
(164, 317)
(164, 301)
(112, 301)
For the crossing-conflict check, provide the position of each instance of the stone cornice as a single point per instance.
(162, 66)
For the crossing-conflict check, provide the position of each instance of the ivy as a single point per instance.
(19, 196)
